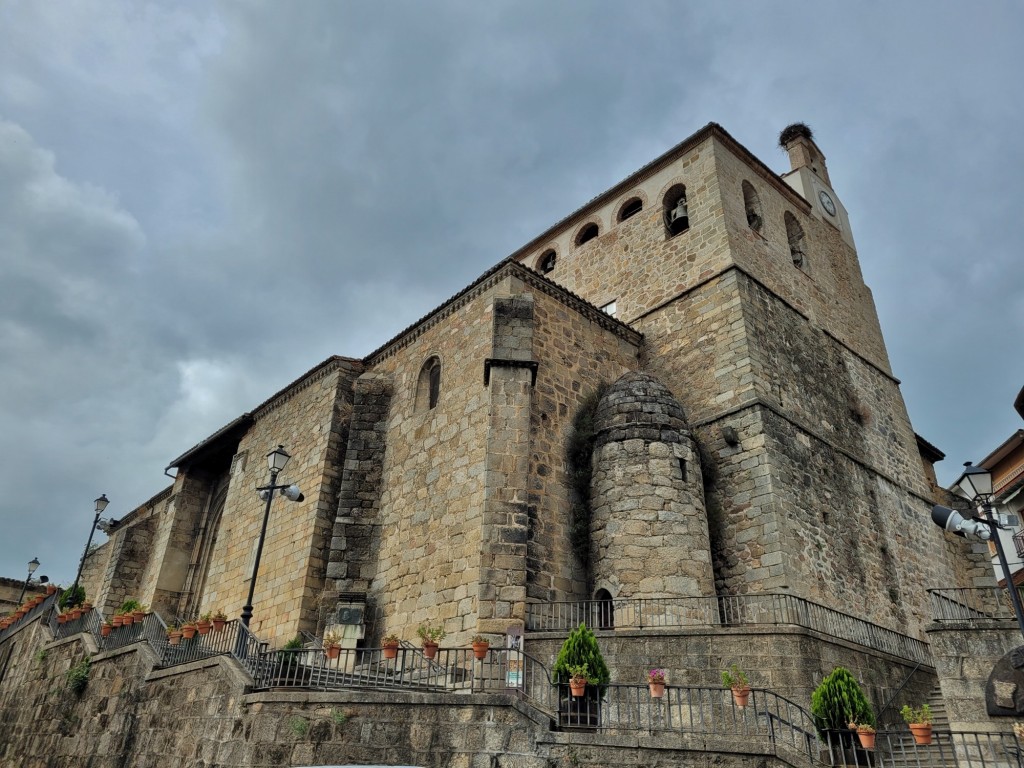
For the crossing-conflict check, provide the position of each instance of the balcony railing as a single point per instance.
(729, 610)
(897, 749)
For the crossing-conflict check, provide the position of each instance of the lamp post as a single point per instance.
(32, 565)
(101, 504)
(276, 461)
(976, 485)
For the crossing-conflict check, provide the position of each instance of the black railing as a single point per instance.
(971, 604)
(727, 610)
(898, 749)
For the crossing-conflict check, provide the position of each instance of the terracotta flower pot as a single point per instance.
(173, 638)
(390, 651)
(86, 607)
(138, 616)
(657, 690)
(118, 620)
(333, 651)
(577, 687)
(51, 589)
(188, 631)
(218, 624)
(922, 733)
(76, 614)
(430, 650)
(480, 650)
(106, 629)
(126, 619)
(62, 618)
(867, 738)
(740, 695)
(203, 627)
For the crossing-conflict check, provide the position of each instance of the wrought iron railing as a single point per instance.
(971, 604)
(726, 610)
(898, 749)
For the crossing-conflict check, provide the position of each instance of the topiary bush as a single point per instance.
(839, 701)
(580, 649)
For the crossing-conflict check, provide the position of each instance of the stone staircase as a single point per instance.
(898, 750)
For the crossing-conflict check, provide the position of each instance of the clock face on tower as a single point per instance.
(826, 203)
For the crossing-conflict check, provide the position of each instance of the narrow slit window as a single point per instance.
(752, 207)
(797, 241)
(428, 385)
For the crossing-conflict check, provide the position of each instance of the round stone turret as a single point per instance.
(649, 531)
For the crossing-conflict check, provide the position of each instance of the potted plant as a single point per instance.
(188, 630)
(51, 589)
(106, 628)
(62, 617)
(656, 682)
(390, 646)
(920, 721)
(139, 614)
(578, 679)
(86, 606)
(219, 619)
(431, 636)
(332, 645)
(205, 624)
(735, 679)
(173, 634)
(580, 648)
(835, 703)
(866, 734)
(480, 646)
(118, 620)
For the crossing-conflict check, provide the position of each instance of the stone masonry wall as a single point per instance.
(790, 661)
(635, 262)
(310, 420)
(575, 353)
(964, 658)
(354, 545)
(432, 481)
(649, 531)
(201, 715)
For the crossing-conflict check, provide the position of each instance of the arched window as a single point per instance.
(428, 385)
(797, 241)
(631, 207)
(546, 262)
(752, 207)
(677, 215)
(589, 232)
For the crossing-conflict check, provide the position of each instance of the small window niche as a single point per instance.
(677, 212)
(797, 241)
(630, 208)
(546, 262)
(752, 207)
(588, 233)
(428, 385)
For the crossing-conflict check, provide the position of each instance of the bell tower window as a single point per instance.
(546, 262)
(589, 232)
(631, 208)
(797, 241)
(752, 207)
(677, 213)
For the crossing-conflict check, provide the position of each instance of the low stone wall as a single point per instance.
(965, 655)
(791, 661)
(202, 715)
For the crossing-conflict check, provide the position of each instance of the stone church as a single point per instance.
(752, 437)
(678, 393)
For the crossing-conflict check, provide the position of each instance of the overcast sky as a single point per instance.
(199, 201)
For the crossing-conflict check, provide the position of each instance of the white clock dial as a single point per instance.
(826, 203)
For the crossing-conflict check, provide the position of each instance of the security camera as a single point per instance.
(951, 520)
(292, 493)
(264, 494)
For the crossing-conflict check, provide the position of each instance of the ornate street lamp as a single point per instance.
(32, 565)
(975, 484)
(277, 459)
(101, 504)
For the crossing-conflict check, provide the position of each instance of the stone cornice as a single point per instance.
(487, 281)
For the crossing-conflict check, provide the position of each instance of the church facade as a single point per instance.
(744, 434)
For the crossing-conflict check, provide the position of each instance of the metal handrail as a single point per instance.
(721, 611)
(967, 604)
(29, 617)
